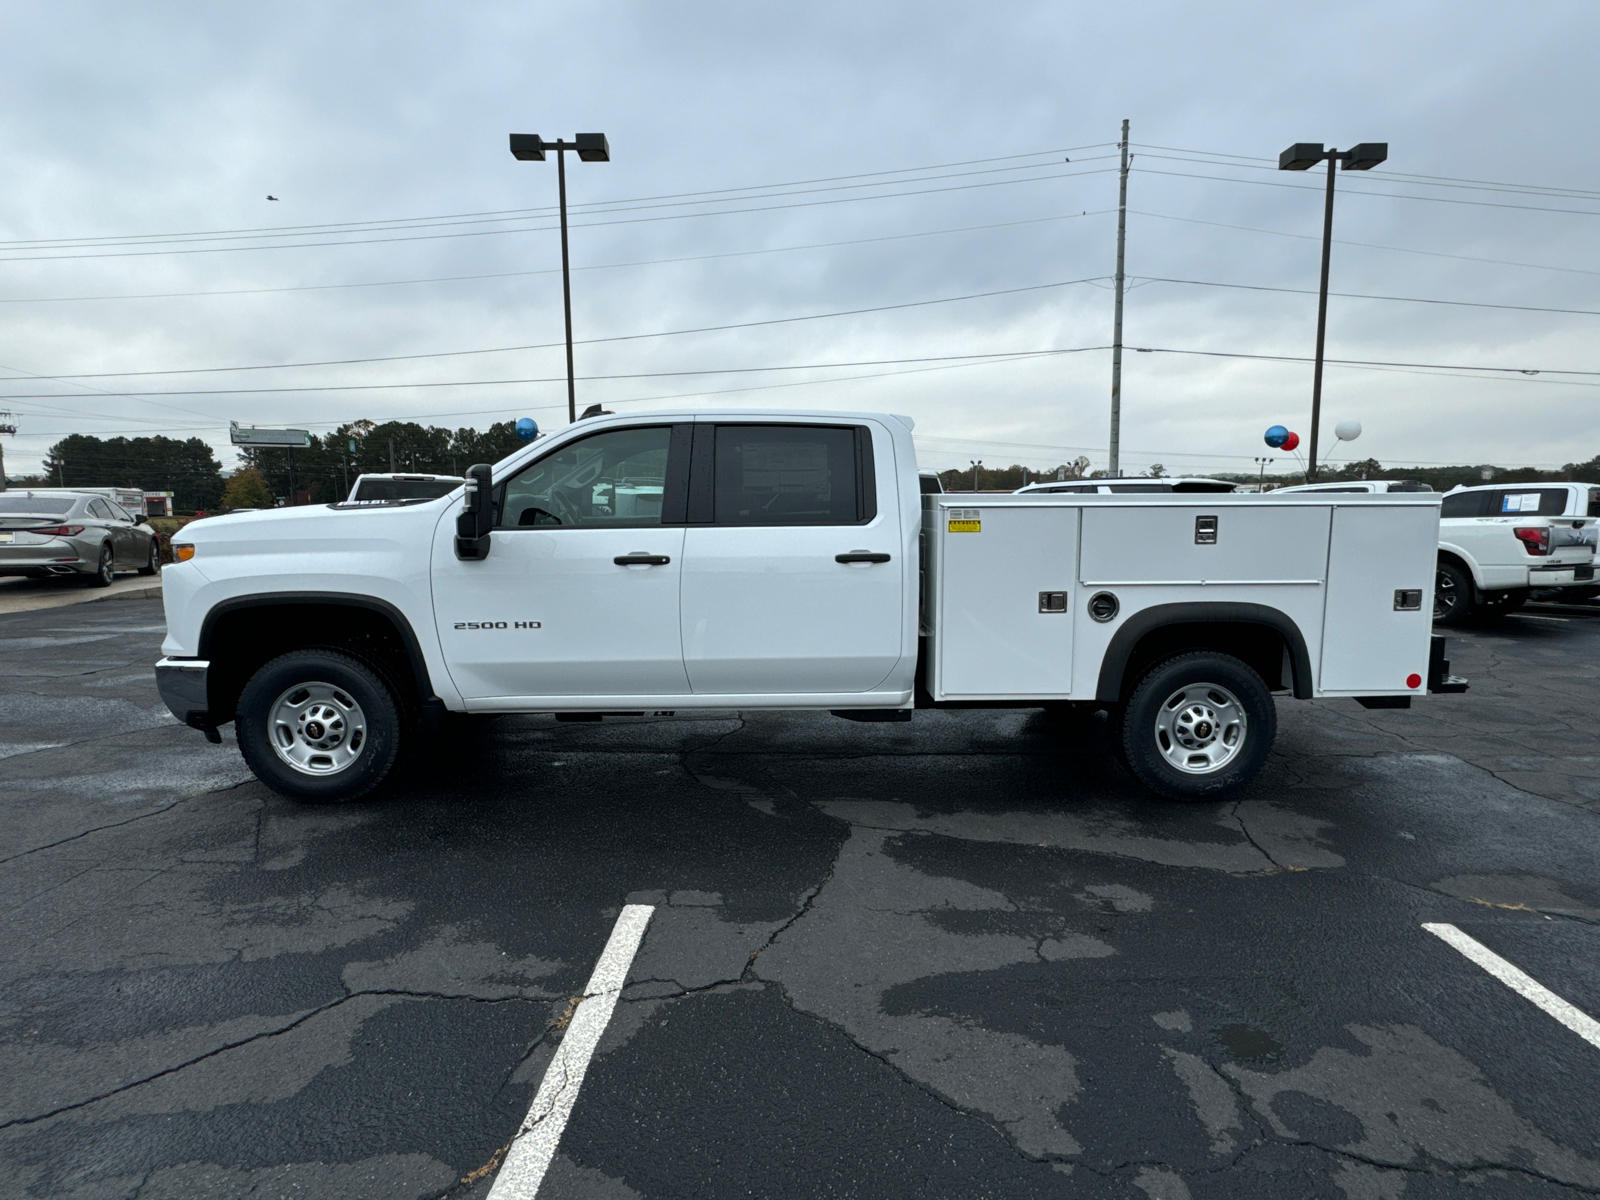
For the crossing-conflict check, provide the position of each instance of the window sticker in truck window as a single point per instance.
(965, 520)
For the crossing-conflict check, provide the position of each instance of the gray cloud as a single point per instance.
(170, 117)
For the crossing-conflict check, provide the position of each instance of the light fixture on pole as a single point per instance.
(590, 147)
(977, 465)
(1302, 156)
(1261, 480)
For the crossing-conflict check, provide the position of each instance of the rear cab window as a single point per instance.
(1464, 504)
(785, 475)
(1529, 502)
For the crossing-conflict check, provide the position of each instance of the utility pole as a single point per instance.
(1116, 323)
(391, 456)
(977, 465)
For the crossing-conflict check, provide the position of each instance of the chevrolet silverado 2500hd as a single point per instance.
(649, 563)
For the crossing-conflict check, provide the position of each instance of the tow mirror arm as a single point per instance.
(477, 514)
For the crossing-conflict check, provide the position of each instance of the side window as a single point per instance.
(1139, 489)
(1464, 504)
(614, 479)
(120, 513)
(97, 508)
(1594, 502)
(793, 475)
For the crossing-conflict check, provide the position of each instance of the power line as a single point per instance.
(1355, 191)
(375, 387)
(1307, 237)
(1362, 362)
(649, 262)
(605, 208)
(513, 213)
(1383, 173)
(1256, 287)
(626, 337)
(546, 228)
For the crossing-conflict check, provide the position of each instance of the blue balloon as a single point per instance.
(1276, 437)
(527, 428)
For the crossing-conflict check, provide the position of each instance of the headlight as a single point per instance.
(183, 552)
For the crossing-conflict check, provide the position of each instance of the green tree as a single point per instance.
(247, 489)
(186, 468)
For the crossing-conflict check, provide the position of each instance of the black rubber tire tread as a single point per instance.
(1463, 588)
(1140, 753)
(154, 563)
(370, 691)
(102, 577)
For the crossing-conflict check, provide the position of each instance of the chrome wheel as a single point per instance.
(1445, 596)
(1200, 728)
(317, 729)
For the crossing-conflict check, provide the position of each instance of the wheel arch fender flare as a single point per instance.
(1452, 553)
(391, 613)
(1114, 665)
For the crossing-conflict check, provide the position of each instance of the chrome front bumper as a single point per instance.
(182, 684)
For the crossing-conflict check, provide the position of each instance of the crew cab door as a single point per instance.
(579, 594)
(792, 579)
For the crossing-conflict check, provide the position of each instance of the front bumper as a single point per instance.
(182, 684)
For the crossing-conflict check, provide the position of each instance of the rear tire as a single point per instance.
(104, 572)
(318, 726)
(1452, 594)
(1198, 726)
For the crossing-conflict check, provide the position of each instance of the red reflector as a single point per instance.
(57, 531)
(1534, 539)
(1413, 680)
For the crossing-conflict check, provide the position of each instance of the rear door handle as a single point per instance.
(641, 560)
(866, 556)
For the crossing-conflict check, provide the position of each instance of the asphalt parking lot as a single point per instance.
(962, 957)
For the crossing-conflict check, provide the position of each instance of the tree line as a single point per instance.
(323, 471)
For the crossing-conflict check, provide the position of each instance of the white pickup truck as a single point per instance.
(658, 563)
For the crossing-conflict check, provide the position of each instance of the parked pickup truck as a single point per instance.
(1497, 544)
(653, 564)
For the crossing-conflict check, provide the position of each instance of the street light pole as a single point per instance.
(977, 465)
(590, 147)
(1301, 157)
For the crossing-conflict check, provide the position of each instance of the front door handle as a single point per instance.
(641, 560)
(866, 556)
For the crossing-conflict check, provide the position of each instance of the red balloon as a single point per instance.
(1290, 442)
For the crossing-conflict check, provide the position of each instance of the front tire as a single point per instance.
(318, 726)
(154, 563)
(1452, 594)
(1198, 726)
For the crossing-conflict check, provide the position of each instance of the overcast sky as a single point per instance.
(388, 122)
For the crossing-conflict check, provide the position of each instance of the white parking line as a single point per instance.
(1519, 981)
(536, 1141)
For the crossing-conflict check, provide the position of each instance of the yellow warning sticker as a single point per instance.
(965, 520)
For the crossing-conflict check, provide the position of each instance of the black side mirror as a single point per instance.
(141, 519)
(477, 514)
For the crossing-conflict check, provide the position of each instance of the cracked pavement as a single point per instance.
(961, 957)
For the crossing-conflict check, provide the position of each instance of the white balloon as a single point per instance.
(1347, 431)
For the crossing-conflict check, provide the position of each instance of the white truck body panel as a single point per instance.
(1330, 564)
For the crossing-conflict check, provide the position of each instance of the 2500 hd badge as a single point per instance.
(498, 625)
